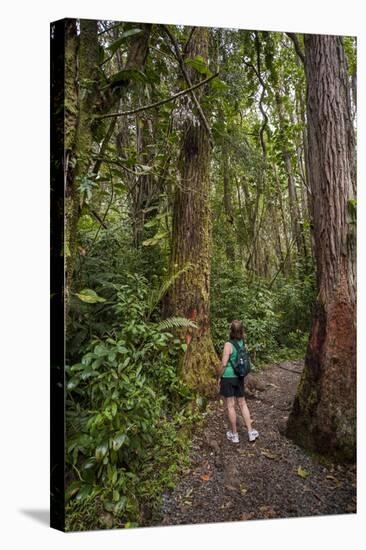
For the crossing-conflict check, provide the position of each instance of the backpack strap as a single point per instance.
(236, 346)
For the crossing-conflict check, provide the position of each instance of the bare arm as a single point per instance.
(225, 358)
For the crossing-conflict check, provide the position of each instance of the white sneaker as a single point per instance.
(252, 435)
(233, 437)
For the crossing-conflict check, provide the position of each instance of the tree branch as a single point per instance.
(104, 145)
(187, 79)
(295, 40)
(189, 39)
(98, 218)
(158, 103)
(257, 71)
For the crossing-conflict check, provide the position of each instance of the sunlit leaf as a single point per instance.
(89, 296)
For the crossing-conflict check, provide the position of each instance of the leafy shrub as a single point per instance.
(126, 406)
(234, 297)
(275, 319)
(294, 302)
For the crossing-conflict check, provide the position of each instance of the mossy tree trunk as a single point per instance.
(80, 103)
(190, 295)
(323, 417)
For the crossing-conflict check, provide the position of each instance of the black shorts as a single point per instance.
(232, 387)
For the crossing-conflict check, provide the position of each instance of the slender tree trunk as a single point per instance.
(287, 266)
(294, 214)
(190, 295)
(144, 188)
(323, 417)
(230, 251)
(305, 163)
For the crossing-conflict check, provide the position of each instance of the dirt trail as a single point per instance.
(270, 478)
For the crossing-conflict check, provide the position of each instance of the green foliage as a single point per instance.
(294, 300)
(126, 407)
(276, 321)
(350, 47)
(118, 43)
(90, 296)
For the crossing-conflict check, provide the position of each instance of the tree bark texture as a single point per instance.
(190, 294)
(323, 417)
(78, 140)
(230, 250)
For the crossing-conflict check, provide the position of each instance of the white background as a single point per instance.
(24, 297)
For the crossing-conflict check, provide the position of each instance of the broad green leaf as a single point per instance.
(89, 296)
(199, 64)
(128, 74)
(85, 491)
(87, 373)
(72, 489)
(89, 464)
(73, 383)
(114, 409)
(101, 451)
(132, 32)
(118, 441)
(219, 85)
(121, 505)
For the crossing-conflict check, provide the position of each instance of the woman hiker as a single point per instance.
(232, 387)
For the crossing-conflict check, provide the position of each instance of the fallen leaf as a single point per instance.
(337, 482)
(245, 453)
(243, 489)
(268, 511)
(247, 515)
(268, 454)
(205, 477)
(302, 472)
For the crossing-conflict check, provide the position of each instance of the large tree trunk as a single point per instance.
(324, 412)
(190, 294)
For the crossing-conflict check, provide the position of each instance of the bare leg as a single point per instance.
(230, 404)
(245, 412)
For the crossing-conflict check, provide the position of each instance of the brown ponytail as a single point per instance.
(236, 330)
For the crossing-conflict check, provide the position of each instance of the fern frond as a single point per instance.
(176, 322)
(158, 293)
